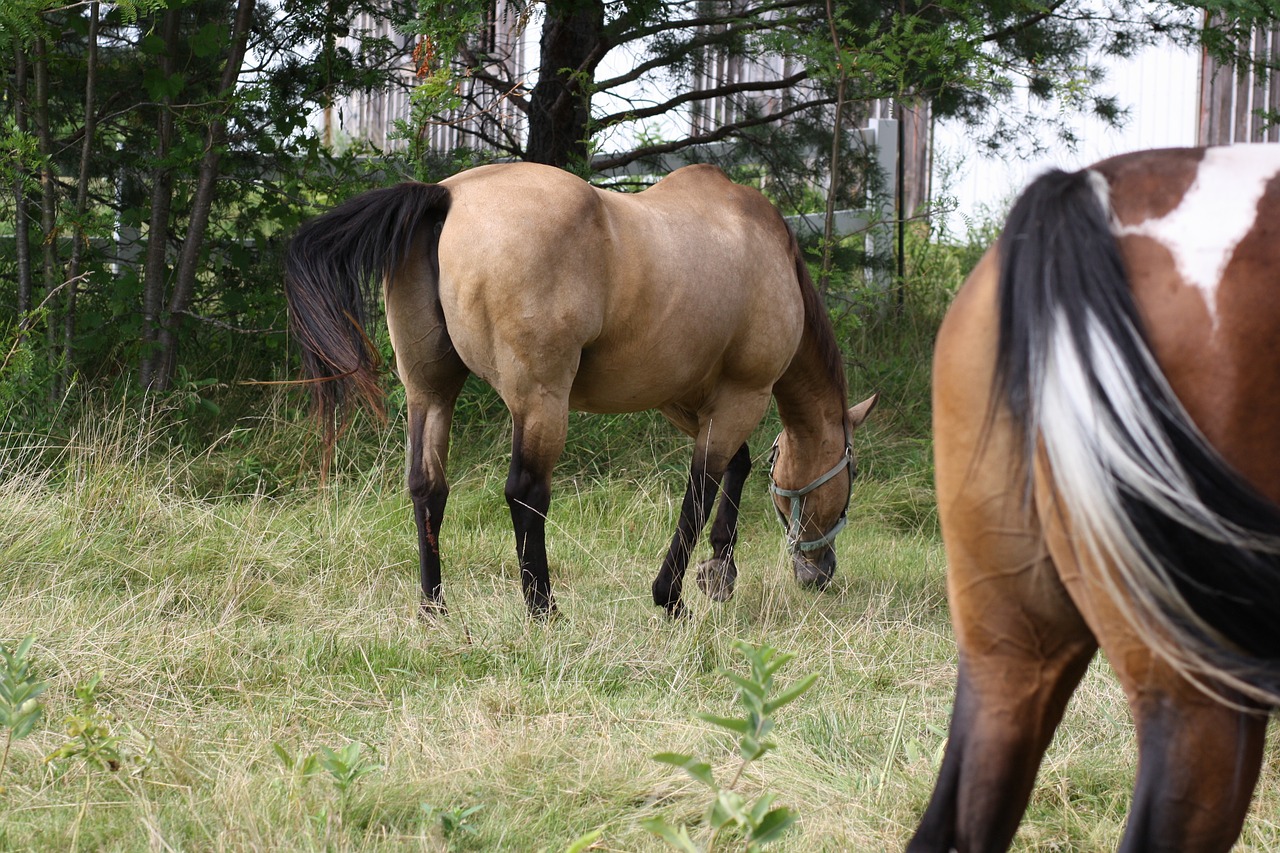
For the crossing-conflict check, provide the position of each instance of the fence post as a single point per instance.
(882, 204)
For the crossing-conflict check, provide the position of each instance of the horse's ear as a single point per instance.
(858, 413)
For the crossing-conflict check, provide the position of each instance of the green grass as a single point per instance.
(231, 606)
(225, 625)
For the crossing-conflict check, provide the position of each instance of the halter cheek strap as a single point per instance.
(793, 524)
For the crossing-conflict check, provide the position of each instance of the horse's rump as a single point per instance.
(1121, 307)
(1106, 398)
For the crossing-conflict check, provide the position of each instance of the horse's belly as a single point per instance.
(611, 387)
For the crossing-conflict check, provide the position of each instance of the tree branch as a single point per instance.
(694, 44)
(617, 161)
(703, 95)
(1015, 28)
(757, 14)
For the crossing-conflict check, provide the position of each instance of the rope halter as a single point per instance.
(796, 496)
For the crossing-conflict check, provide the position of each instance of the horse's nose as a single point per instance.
(815, 568)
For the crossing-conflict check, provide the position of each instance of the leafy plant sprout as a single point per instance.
(759, 822)
(20, 706)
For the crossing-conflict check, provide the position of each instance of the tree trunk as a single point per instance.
(82, 196)
(155, 271)
(48, 199)
(22, 224)
(573, 42)
(833, 181)
(201, 204)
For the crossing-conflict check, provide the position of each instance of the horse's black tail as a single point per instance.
(332, 270)
(1197, 549)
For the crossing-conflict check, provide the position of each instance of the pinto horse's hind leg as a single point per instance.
(1198, 763)
(1023, 645)
(1023, 649)
(717, 576)
(1198, 758)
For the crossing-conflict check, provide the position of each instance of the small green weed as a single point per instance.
(95, 737)
(300, 768)
(455, 824)
(759, 822)
(20, 706)
(346, 766)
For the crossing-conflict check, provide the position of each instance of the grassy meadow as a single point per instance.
(241, 621)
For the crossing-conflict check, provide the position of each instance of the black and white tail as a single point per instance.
(1197, 548)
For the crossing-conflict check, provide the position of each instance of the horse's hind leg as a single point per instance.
(433, 375)
(1198, 758)
(1023, 645)
(540, 429)
(430, 417)
(1198, 762)
(1023, 648)
(717, 576)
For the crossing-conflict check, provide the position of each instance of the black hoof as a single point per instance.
(543, 611)
(717, 578)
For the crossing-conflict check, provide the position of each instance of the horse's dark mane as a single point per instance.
(817, 324)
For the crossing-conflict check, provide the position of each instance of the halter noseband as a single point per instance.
(792, 525)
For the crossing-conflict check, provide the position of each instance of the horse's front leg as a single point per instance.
(537, 441)
(698, 495)
(714, 459)
(717, 576)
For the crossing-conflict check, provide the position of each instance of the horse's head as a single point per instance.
(812, 495)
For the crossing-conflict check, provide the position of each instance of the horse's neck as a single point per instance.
(811, 401)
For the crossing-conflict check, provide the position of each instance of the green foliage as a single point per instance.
(19, 160)
(95, 737)
(346, 766)
(456, 824)
(89, 732)
(20, 689)
(272, 167)
(299, 768)
(22, 22)
(757, 822)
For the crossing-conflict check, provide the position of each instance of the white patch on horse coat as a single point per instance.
(1215, 214)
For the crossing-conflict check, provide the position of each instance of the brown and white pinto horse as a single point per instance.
(690, 297)
(1106, 413)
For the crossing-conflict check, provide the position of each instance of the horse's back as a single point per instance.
(703, 288)
(646, 299)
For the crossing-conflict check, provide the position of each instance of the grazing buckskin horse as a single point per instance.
(690, 297)
(1106, 412)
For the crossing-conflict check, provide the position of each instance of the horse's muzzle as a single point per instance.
(814, 569)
